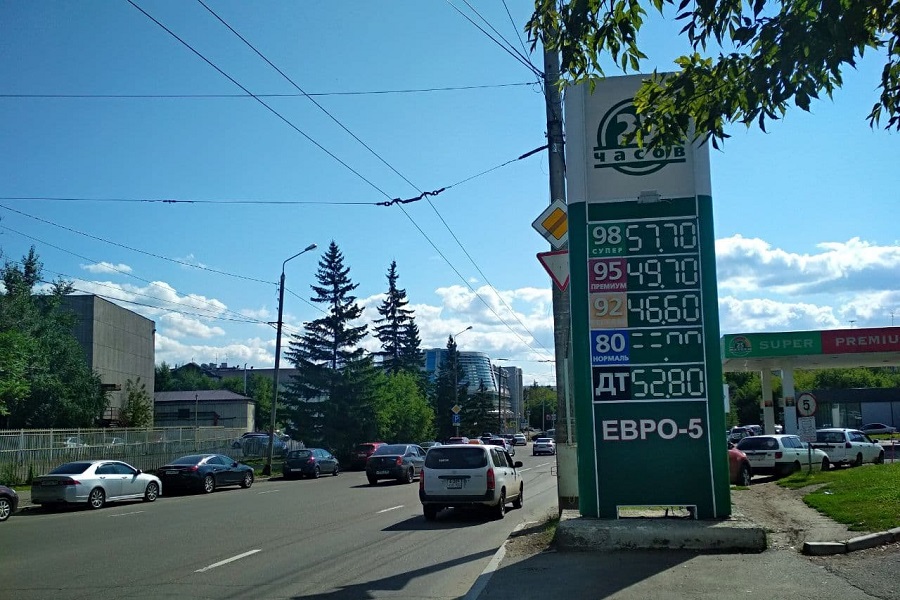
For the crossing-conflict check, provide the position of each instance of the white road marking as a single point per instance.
(268, 492)
(227, 560)
(137, 512)
(389, 509)
(535, 467)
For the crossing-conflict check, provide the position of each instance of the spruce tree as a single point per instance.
(445, 397)
(329, 401)
(396, 330)
(476, 412)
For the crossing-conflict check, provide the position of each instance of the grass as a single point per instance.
(864, 498)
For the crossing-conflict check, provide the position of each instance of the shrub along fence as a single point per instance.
(26, 453)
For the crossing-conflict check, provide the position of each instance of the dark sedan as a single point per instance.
(205, 472)
(9, 501)
(402, 462)
(310, 462)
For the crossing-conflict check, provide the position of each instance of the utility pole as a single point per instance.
(561, 310)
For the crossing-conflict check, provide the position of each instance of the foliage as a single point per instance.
(47, 382)
(260, 389)
(770, 54)
(450, 388)
(137, 410)
(396, 330)
(330, 400)
(745, 392)
(188, 378)
(402, 411)
(540, 401)
(476, 412)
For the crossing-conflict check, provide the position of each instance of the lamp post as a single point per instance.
(267, 469)
(455, 372)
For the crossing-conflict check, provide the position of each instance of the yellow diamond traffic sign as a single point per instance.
(553, 224)
(456, 408)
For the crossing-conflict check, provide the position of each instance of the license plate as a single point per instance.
(381, 472)
(171, 472)
(295, 470)
(455, 484)
(754, 457)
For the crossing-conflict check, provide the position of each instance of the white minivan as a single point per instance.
(464, 475)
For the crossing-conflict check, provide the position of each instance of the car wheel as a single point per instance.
(337, 470)
(410, 476)
(859, 460)
(5, 508)
(152, 492)
(520, 499)
(316, 472)
(247, 481)
(795, 468)
(372, 480)
(209, 484)
(744, 476)
(826, 464)
(430, 511)
(500, 509)
(879, 460)
(97, 498)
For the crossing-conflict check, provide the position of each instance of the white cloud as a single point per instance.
(106, 268)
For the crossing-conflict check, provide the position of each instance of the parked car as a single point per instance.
(780, 454)
(9, 502)
(739, 468)
(877, 428)
(116, 441)
(754, 429)
(458, 439)
(74, 442)
(426, 445)
(520, 440)
(543, 445)
(470, 476)
(361, 454)
(736, 434)
(257, 444)
(94, 482)
(503, 443)
(402, 462)
(205, 472)
(309, 462)
(848, 447)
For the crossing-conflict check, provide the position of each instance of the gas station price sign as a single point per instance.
(650, 362)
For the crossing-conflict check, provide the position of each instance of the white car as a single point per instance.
(470, 475)
(877, 428)
(849, 447)
(781, 454)
(94, 482)
(520, 440)
(543, 446)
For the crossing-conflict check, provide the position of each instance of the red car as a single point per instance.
(738, 466)
(361, 454)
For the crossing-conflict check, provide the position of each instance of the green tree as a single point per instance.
(61, 389)
(476, 412)
(260, 389)
(396, 329)
(163, 380)
(781, 53)
(137, 410)
(450, 388)
(330, 401)
(402, 411)
(540, 400)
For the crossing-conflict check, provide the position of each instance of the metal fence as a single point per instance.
(26, 453)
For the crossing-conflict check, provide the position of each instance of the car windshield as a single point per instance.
(758, 443)
(192, 459)
(391, 449)
(455, 458)
(299, 454)
(72, 468)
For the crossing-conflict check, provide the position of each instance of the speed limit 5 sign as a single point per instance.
(806, 405)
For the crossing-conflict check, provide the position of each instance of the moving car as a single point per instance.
(94, 482)
(520, 440)
(426, 445)
(458, 439)
(781, 454)
(205, 472)
(361, 454)
(503, 443)
(849, 447)
(543, 445)
(402, 462)
(470, 476)
(877, 428)
(739, 468)
(309, 462)
(9, 501)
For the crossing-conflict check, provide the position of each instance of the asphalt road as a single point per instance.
(335, 537)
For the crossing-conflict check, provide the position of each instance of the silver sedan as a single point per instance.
(94, 482)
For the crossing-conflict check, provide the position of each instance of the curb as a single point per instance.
(862, 542)
(492, 566)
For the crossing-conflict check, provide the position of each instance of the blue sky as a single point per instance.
(806, 220)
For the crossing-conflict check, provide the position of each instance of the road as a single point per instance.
(335, 537)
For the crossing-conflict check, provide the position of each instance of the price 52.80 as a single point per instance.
(668, 382)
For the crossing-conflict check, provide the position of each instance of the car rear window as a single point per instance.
(830, 437)
(72, 468)
(391, 449)
(193, 459)
(455, 458)
(758, 443)
(299, 454)
(365, 447)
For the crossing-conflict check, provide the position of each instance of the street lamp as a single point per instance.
(455, 372)
(267, 469)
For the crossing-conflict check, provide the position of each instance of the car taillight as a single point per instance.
(422, 480)
(399, 461)
(491, 480)
(194, 469)
(848, 445)
(779, 454)
(69, 482)
(311, 459)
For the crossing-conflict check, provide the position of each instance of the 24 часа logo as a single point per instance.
(612, 151)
